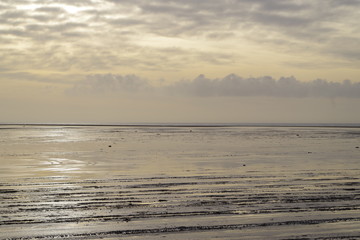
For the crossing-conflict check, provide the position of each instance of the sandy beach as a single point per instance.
(189, 182)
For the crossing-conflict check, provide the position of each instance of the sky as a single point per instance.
(172, 61)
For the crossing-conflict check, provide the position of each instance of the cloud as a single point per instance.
(233, 85)
(138, 31)
(109, 83)
(229, 86)
(51, 10)
(7, 75)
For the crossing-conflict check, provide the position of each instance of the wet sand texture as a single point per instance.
(228, 192)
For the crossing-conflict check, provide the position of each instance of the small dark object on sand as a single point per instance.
(356, 147)
(309, 152)
(109, 145)
(244, 165)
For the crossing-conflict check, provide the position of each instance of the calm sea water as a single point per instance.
(179, 182)
(30, 151)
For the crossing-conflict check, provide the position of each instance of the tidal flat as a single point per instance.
(179, 182)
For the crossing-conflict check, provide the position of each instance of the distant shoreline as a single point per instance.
(328, 125)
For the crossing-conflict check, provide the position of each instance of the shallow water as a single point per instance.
(103, 182)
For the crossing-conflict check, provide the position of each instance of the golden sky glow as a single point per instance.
(55, 51)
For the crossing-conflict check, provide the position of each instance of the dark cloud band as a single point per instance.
(229, 86)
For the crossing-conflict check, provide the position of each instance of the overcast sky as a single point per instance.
(117, 61)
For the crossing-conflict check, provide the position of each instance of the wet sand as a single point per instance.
(179, 183)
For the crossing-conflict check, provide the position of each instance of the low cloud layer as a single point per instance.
(229, 86)
(109, 83)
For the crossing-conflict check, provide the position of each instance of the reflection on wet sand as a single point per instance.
(156, 183)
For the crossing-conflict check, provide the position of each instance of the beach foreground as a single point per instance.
(97, 182)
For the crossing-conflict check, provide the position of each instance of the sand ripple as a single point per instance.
(291, 205)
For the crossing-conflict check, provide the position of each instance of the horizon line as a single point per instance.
(188, 124)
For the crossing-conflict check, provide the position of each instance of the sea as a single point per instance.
(180, 181)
